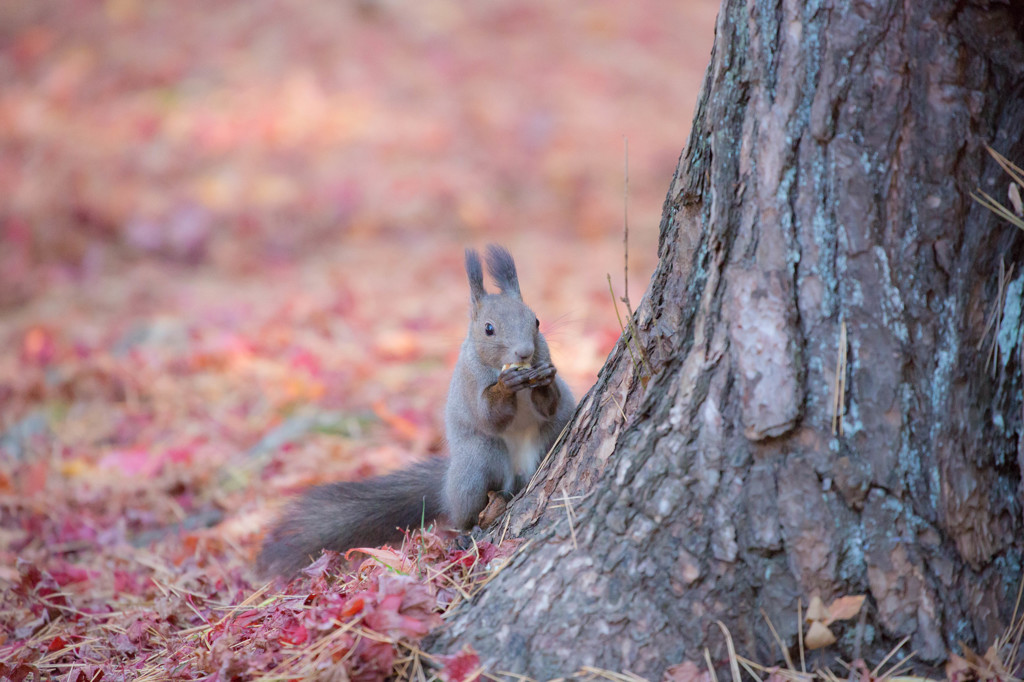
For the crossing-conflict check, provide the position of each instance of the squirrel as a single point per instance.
(506, 407)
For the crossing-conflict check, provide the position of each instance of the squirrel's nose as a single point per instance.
(524, 353)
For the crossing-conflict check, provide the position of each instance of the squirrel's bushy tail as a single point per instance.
(340, 516)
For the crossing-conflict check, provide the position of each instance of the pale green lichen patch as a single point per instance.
(1009, 329)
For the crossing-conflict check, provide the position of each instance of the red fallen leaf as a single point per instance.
(88, 673)
(39, 588)
(56, 644)
(123, 644)
(405, 608)
(466, 559)
(181, 455)
(70, 573)
(128, 582)
(393, 624)
(18, 672)
(406, 427)
(188, 546)
(76, 528)
(303, 359)
(141, 629)
(385, 555)
(353, 606)
(29, 576)
(294, 634)
(34, 479)
(462, 667)
(374, 661)
(136, 462)
(488, 551)
(38, 347)
(31, 44)
(320, 567)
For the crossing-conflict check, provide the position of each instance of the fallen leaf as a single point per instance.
(844, 608)
(818, 636)
(687, 671)
(816, 610)
(136, 463)
(957, 669)
(461, 667)
(294, 634)
(1015, 201)
(496, 506)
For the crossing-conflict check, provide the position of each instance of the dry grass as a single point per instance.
(1015, 214)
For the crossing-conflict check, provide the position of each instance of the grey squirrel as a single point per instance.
(506, 407)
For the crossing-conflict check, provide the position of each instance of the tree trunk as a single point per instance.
(825, 187)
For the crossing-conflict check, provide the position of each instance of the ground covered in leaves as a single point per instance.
(230, 267)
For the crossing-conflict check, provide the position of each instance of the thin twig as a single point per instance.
(778, 640)
(896, 669)
(537, 472)
(839, 383)
(634, 332)
(513, 675)
(1004, 278)
(621, 325)
(750, 671)
(1013, 170)
(874, 673)
(991, 204)
(504, 530)
(625, 223)
(609, 674)
(622, 412)
(570, 514)
(989, 322)
(1017, 625)
(711, 667)
(733, 663)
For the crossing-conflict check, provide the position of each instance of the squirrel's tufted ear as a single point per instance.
(476, 276)
(503, 270)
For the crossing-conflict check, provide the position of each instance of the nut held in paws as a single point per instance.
(515, 365)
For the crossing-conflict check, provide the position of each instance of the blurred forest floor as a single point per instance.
(231, 254)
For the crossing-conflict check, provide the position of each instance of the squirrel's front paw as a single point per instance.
(515, 379)
(541, 375)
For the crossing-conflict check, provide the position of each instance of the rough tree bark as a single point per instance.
(825, 183)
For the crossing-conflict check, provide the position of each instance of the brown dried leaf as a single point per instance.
(994, 663)
(496, 506)
(1015, 201)
(687, 671)
(957, 669)
(844, 608)
(818, 636)
(972, 659)
(816, 610)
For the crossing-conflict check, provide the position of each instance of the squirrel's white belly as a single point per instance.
(522, 438)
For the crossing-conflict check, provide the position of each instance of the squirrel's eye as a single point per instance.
(489, 329)
(538, 323)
